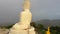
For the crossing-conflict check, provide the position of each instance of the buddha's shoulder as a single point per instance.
(24, 12)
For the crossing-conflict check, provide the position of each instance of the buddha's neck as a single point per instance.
(26, 10)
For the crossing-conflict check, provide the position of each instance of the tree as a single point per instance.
(33, 24)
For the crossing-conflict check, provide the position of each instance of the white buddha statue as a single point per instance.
(23, 26)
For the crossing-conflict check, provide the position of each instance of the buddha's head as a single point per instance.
(26, 4)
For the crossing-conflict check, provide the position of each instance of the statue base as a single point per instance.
(19, 29)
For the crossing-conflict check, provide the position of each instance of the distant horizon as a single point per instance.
(37, 21)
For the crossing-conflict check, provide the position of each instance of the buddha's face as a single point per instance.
(26, 4)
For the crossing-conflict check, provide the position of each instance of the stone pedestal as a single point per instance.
(19, 29)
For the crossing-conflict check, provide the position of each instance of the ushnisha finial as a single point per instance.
(26, 4)
(48, 28)
(48, 32)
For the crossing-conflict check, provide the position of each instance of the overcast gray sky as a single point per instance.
(41, 9)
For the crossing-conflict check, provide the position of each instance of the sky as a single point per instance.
(41, 9)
